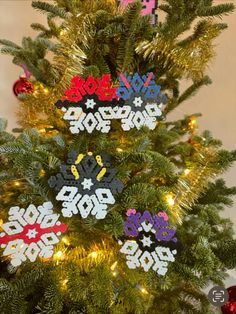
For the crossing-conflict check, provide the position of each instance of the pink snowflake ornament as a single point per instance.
(149, 7)
(30, 233)
(130, 211)
(163, 215)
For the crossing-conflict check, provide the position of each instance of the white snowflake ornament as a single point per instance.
(30, 233)
(86, 185)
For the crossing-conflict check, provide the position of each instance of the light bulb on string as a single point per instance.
(114, 273)
(94, 255)
(187, 172)
(66, 241)
(119, 150)
(42, 173)
(17, 183)
(142, 289)
(192, 123)
(45, 90)
(64, 282)
(58, 256)
(62, 32)
(170, 200)
(113, 266)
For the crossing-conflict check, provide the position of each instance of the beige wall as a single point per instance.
(217, 103)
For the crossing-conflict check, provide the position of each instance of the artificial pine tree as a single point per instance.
(169, 170)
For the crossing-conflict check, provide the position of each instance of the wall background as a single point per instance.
(216, 102)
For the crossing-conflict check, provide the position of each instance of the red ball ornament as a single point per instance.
(22, 86)
(230, 306)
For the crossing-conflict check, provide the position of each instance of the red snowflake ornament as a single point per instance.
(30, 233)
(98, 86)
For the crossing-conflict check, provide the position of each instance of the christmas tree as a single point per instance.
(106, 206)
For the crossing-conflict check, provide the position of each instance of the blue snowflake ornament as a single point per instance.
(143, 101)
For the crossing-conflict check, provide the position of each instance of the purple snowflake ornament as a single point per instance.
(150, 241)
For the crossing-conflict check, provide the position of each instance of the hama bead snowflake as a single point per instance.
(150, 242)
(149, 7)
(30, 233)
(88, 104)
(86, 185)
(143, 101)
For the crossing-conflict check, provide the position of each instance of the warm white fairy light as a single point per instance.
(170, 200)
(114, 273)
(113, 266)
(17, 183)
(64, 282)
(144, 291)
(187, 172)
(94, 254)
(45, 90)
(65, 240)
(58, 256)
(119, 150)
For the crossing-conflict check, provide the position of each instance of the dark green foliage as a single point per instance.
(149, 163)
(53, 10)
(181, 14)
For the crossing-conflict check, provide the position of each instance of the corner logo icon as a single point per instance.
(218, 296)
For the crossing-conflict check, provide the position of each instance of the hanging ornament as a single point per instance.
(88, 104)
(11, 269)
(230, 306)
(148, 8)
(22, 85)
(143, 101)
(150, 242)
(30, 233)
(86, 185)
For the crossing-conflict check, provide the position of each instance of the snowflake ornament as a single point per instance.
(30, 233)
(143, 101)
(150, 242)
(88, 104)
(86, 185)
(148, 7)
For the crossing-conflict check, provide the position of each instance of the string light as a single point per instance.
(66, 241)
(64, 282)
(114, 270)
(94, 254)
(58, 256)
(170, 200)
(119, 150)
(187, 171)
(17, 183)
(142, 289)
(113, 266)
(42, 173)
(114, 273)
(45, 90)
(193, 123)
